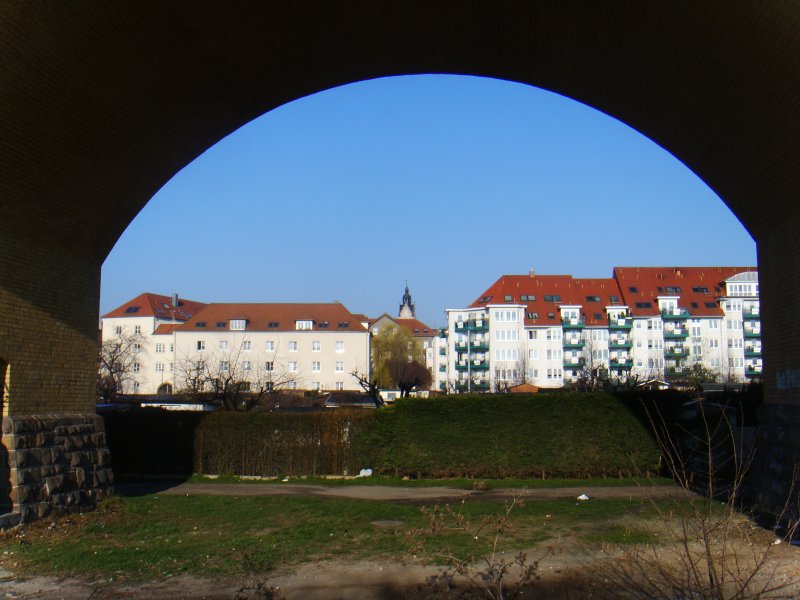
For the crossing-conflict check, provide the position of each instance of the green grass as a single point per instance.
(149, 537)
(456, 483)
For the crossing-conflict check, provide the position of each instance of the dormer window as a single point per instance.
(304, 325)
(132, 309)
(238, 324)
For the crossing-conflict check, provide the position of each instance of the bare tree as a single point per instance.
(118, 365)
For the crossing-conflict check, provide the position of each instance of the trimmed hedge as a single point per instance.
(570, 435)
(554, 435)
(275, 444)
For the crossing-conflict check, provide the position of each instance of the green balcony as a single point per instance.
(676, 334)
(751, 333)
(475, 386)
(574, 343)
(480, 346)
(573, 323)
(675, 314)
(443, 351)
(676, 352)
(463, 347)
(751, 314)
(472, 325)
(752, 352)
(673, 373)
(574, 363)
(620, 344)
(626, 363)
(623, 323)
(472, 365)
(753, 371)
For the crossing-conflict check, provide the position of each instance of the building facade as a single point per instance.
(641, 324)
(311, 346)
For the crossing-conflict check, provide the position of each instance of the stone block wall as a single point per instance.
(56, 464)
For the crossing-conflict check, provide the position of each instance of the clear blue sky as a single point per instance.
(445, 181)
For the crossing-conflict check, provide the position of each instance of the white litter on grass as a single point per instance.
(365, 473)
(583, 497)
(777, 541)
(285, 479)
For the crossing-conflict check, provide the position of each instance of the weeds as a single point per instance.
(711, 550)
(494, 574)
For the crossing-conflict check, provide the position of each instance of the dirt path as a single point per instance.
(397, 494)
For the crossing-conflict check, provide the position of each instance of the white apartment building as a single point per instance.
(645, 322)
(304, 346)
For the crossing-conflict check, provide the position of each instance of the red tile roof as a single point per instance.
(416, 327)
(283, 316)
(559, 290)
(697, 287)
(165, 328)
(156, 305)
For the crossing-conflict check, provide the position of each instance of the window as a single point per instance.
(200, 324)
(224, 365)
(508, 298)
(553, 334)
(136, 387)
(273, 324)
(344, 324)
(552, 298)
(247, 345)
(244, 386)
(531, 334)
(292, 385)
(132, 309)
(238, 324)
(304, 325)
(533, 315)
(270, 346)
(315, 386)
(137, 347)
(339, 385)
(506, 335)
(593, 298)
(633, 289)
(528, 298)
(137, 329)
(292, 346)
(614, 299)
(247, 365)
(533, 354)
(700, 290)
(554, 374)
(269, 366)
(554, 354)
(339, 366)
(201, 345)
(734, 324)
(223, 345)
(136, 367)
(713, 324)
(323, 325)
(172, 347)
(644, 305)
(220, 324)
(159, 348)
(485, 299)
(713, 343)
(505, 316)
(118, 329)
(293, 367)
(316, 346)
(711, 305)
(159, 367)
(171, 367)
(340, 346)
(506, 354)
(315, 367)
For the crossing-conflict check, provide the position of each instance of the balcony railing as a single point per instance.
(621, 363)
(619, 344)
(574, 343)
(752, 333)
(573, 322)
(672, 373)
(620, 323)
(752, 352)
(751, 313)
(675, 313)
(472, 325)
(475, 386)
(676, 352)
(753, 371)
(472, 365)
(574, 363)
(675, 334)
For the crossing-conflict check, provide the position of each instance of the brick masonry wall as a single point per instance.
(57, 464)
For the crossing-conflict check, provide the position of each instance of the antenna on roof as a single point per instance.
(532, 273)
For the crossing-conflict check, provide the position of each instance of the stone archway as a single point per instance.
(102, 103)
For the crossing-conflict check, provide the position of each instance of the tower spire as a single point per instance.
(407, 308)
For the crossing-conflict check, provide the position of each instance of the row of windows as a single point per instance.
(269, 346)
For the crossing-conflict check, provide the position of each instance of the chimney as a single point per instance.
(175, 300)
(532, 273)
